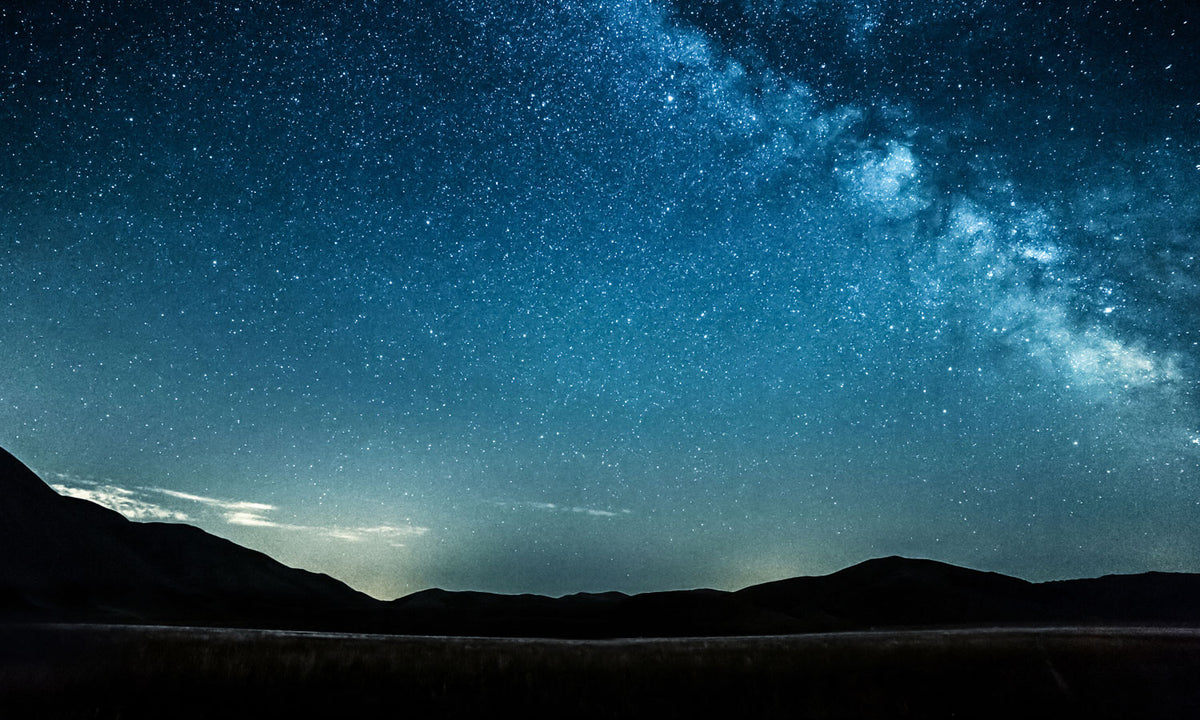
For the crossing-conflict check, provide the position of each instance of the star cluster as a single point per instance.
(611, 294)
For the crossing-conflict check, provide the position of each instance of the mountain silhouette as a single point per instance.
(69, 560)
(895, 591)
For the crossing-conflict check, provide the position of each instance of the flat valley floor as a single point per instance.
(91, 671)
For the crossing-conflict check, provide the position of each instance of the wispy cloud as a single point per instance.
(134, 503)
(256, 514)
(391, 534)
(130, 503)
(253, 519)
(231, 505)
(555, 507)
(235, 512)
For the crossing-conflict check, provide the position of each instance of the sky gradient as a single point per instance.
(611, 294)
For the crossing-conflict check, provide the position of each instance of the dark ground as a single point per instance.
(51, 671)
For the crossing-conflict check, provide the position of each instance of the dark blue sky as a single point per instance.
(561, 296)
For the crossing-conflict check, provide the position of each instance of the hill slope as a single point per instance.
(64, 559)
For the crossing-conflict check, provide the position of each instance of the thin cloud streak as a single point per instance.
(120, 499)
(555, 507)
(131, 504)
(232, 505)
(254, 514)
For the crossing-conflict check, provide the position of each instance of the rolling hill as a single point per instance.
(69, 560)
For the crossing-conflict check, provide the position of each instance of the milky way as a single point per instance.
(561, 296)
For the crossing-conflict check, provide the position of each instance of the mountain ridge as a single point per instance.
(69, 560)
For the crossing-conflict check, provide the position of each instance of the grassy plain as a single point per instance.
(142, 672)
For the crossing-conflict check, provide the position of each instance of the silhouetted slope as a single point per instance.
(1153, 598)
(65, 558)
(884, 593)
(894, 591)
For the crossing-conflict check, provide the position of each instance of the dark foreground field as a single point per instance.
(131, 672)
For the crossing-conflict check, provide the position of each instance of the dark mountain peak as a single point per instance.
(894, 563)
(19, 484)
(894, 570)
(64, 558)
(608, 596)
(898, 591)
(889, 572)
(464, 599)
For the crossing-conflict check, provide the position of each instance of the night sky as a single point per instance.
(548, 296)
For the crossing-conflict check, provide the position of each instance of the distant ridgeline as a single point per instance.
(69, 560)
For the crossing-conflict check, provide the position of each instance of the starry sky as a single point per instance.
(578, 295)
